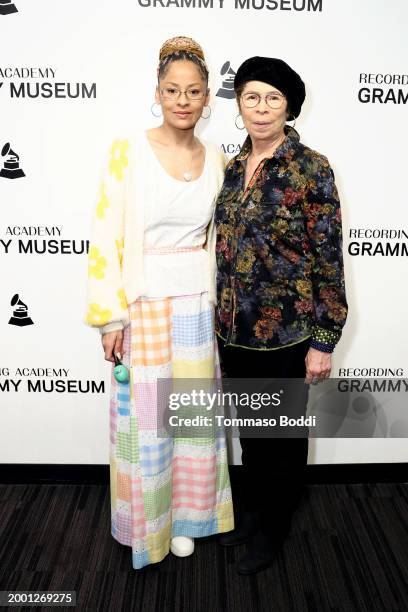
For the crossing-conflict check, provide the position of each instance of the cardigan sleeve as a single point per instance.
(221, 160)
(323, 223)
(107, 308)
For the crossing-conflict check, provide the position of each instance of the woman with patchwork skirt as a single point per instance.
(151, 293)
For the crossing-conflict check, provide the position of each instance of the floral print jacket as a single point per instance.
(280, 273)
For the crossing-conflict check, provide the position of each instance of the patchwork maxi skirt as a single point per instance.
(162, 487)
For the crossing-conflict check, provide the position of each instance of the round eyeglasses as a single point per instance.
(252, 99)
(192, 93)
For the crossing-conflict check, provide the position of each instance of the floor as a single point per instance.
(347, 551)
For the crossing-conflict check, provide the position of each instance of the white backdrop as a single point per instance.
(112, 48)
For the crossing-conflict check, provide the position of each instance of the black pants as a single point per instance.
(273, 468)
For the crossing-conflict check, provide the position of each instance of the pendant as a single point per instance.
(187, 176)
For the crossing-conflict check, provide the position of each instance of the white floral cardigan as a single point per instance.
(115, 258)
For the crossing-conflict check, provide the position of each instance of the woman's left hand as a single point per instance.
(318, 366)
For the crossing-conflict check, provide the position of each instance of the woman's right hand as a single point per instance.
(112, 343)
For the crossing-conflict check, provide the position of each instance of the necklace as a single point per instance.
(188, 175)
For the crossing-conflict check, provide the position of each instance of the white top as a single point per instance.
(176, 216)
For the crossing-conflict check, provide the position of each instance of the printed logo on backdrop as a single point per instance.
(7, 7)
(46, 380)
(370, 407)
(360, 407)
(257, 5)
(40, 240)
(381, 242)
(226, 91)
(25, 82)
(383, 88)
(231, 148)
(20, 316)
(370, 372)
(11, 164)
(227, 88)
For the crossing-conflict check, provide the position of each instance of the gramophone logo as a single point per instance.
(227, 89)
(20, 312)
(11, 167)
(7, 7)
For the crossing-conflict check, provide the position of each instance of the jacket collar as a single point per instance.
(291, 141)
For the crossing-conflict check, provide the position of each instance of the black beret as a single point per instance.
(277, 73)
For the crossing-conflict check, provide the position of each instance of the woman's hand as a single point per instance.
(112, 343)
(318, 365)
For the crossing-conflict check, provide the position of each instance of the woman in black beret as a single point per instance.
(281, 302)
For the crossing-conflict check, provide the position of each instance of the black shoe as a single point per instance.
(246, 528)
(261, 554)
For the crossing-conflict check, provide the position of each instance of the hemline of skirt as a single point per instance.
(180, 528)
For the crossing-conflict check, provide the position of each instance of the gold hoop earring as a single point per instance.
(209, 114)
(236, 125)
(151, 110)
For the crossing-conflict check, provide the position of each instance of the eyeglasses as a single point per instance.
(192, 93)
(252, 99)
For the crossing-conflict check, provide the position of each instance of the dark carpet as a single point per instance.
(347, 550)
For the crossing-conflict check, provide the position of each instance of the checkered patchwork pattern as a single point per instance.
(150, 332)
(120, 396)
(128, 521)
(124, 486)
(156, 456)
(194, 482)
(145, 404)
(163, 487)
(192, 329)
(122, 528)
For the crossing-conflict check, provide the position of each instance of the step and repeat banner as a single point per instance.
(74, 75)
